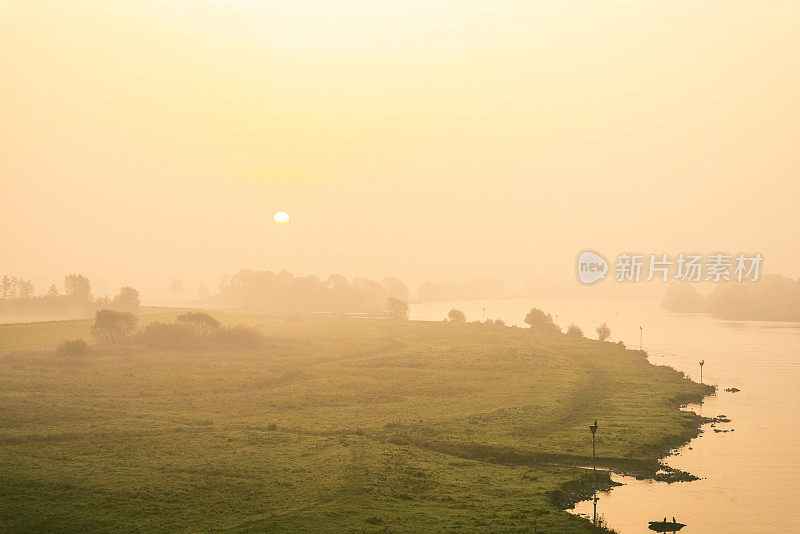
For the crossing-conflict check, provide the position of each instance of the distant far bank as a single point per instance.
(773, 298)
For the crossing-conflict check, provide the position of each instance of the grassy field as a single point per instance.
(338, 424)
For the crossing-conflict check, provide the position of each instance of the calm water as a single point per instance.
(750, 476)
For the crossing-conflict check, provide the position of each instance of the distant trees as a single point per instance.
(456, 316)
(24, 289)
(113, 327)
(682, 297)
(398, 309)
(7, 288)
(13, 288)
(574, 330)
(369, 292)
(127, 300)
(77, 286)
(176, 288)
(478, 288)
(396, 289)
(540, 321)
(18, 301)
(773, 298)
(284, 292)
(202, 292)
(603, 332)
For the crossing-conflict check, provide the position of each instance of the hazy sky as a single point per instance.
(142, 141)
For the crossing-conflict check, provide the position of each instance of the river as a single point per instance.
(749, 474)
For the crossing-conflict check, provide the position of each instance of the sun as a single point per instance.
(281, 217)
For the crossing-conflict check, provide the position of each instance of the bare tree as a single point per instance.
(25, 289)
(398, 309)
(14, 287)
(574, 330)
(603, 332)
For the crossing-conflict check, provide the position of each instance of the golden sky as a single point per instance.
(142, 141)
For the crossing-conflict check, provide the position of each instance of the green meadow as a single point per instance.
(336, 424)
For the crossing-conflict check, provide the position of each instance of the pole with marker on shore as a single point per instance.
(593, 429)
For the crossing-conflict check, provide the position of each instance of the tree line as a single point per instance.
(285, 292)
(189, 331)
(19, 301)
(772, 298)
(538, 321)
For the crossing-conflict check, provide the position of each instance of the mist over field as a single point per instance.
(399, 266)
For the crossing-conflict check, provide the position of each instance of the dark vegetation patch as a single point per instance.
(193, 331)
(72, 348)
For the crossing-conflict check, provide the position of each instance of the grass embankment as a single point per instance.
(337, 425)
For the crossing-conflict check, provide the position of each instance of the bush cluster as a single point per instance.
(198, 330)
(540, 321)
(72, 348)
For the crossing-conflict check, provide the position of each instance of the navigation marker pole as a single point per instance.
(701, 370)
(640, 337)
(593, 428)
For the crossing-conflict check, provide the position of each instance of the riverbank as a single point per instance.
(337, 424)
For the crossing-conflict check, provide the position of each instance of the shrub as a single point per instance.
(456, 316)
(200, 322)
(72, 348)
(239, 336)
(540, 321)
(499, 322)
(168, 336)
(113, 327)
(574, 330)
(398, 309)
(603, 332)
